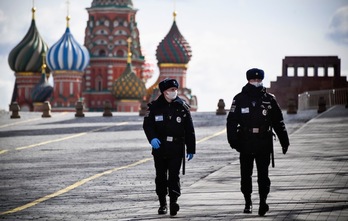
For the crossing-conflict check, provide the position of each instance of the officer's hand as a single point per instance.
(189, 156)
(155, 143)
(285, 149)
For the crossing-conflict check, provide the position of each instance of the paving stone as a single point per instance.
(308, 183)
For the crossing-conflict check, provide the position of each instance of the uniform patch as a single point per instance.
(245, 110)
(178, 119)
(264, 112)
(159, 118)
(233, 108)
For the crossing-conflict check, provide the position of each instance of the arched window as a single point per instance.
(98, 83)
(102, 52)
(120, 53)
(71, 89)
(61, 88)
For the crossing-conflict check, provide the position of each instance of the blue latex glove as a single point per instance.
(189, 156)
(155, 143)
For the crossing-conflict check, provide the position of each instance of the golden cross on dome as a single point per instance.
(174, 13)
(67, 12)
(33, 9)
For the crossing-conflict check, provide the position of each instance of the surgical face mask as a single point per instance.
(257, 84)
(171, 95)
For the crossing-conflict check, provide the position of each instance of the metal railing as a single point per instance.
(310, 99)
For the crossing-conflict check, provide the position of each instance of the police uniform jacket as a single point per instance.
(172, 124)
(253, 114)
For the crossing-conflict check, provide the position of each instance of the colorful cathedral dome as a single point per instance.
(27, 55)
(113, 3)
(43, 90)
(173, 48)
(128, 85)
(67, 53)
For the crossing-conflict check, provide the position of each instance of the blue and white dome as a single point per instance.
(67, 54)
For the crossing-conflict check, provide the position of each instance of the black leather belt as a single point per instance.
(174, 139)
(257, 130)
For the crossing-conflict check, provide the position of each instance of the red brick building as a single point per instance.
(109, 25)
(307, 73)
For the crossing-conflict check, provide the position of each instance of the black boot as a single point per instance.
(263, 209)
(163, 205)
(174, 206)
(248, 204)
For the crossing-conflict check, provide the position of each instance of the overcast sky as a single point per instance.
(227, 37)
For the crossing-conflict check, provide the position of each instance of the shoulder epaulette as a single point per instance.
(270, 95)
(186, 105)
(183, 103)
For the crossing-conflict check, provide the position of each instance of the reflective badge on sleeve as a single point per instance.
(159, 118)
(245, 110)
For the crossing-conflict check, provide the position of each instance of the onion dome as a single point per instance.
(26, 56)
(113, 3)
(128, 85)
(43, 90)
(67, 53)
(174, 48)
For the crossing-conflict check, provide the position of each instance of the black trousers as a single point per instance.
(167, 176)
(246, 169)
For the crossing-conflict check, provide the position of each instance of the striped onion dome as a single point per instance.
(27, 55)
(67, 54)
(173, 48)
(43, 90)
(129, 86)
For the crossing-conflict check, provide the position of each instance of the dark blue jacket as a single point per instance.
(253, 116)
(172, 124)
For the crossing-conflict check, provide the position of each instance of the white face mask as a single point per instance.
(256, 84)
(171, 95)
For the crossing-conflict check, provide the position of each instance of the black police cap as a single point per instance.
(255, 73)
(168, 83)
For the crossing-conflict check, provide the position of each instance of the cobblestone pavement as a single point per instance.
(100, 168)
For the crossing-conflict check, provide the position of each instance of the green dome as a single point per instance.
(27, 55)
(113, 3)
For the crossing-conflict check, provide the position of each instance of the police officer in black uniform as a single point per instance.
(168, 127)
(253, 116)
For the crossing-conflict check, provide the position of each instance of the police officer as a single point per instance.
(168, 127)
(253, 115)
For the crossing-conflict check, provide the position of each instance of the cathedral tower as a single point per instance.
(67, 59)
(26, 60)
(173, 55)
(110, 24)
